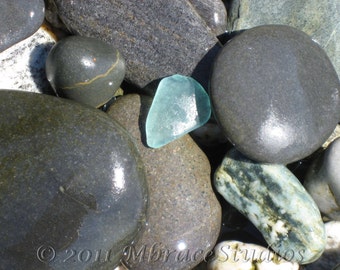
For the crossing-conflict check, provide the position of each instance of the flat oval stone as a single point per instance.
(274, 200)
(236, 255)
(19, 20)
(323, 181)
(67, 177)
(184, 214)
(179, 106)
(85, 69)
(157, 38)
(275, 94)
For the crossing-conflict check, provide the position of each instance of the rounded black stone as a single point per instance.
(275, 93)
(72, 186)
(85, 69)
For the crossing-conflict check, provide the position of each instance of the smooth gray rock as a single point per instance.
(319, 19)
(19, 20)
(72, 188)
(156, 38)
(323, 181)
(275, 94)
(85, 69)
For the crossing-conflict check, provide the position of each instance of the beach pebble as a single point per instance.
(184, 214)
(73, 192)
(85, 69)
(19, 20)
(275, 94)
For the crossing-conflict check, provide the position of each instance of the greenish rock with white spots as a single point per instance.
(274, 200)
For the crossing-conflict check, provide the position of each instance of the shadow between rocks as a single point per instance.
(143, 113)
(37, 68)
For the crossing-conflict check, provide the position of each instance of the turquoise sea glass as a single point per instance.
(180, 105)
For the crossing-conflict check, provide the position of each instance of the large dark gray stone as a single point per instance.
(19, 20)
(275, 94)
(72, 189)
(157, 38)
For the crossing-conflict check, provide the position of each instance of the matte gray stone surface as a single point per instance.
(72, 188)
(184, 214)
(19, 20)
(319, 19)
(156, 38)
(275, 94)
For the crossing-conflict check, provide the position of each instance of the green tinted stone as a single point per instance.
(85, 69)
(180, 105)
(274, 200)
(71, 180)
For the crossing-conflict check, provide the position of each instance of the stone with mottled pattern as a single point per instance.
(274, 200)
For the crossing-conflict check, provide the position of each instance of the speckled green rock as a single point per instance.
(67, 179)
(85, 69)
(274, 200)
(184, 215)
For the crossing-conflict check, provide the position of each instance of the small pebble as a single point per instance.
(323, 181)
(180, 105)
(274, 200)
(85, 69)
(235, 255)
(19, 20)
(275, 94)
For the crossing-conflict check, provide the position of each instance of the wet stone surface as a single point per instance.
(85, 69)
(19, 20)
(61, 190)
(184, 214)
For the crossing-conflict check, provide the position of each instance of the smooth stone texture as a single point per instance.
(236, 255)
(67, 177)
(85, 69)
(331, 257)
(214, 14)
(275, 94)
(184, 214)
(23, 65)
(319, 19)
(274, 200)
(323, 181)
(179, 106)
(157, 38)
(19, 20)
